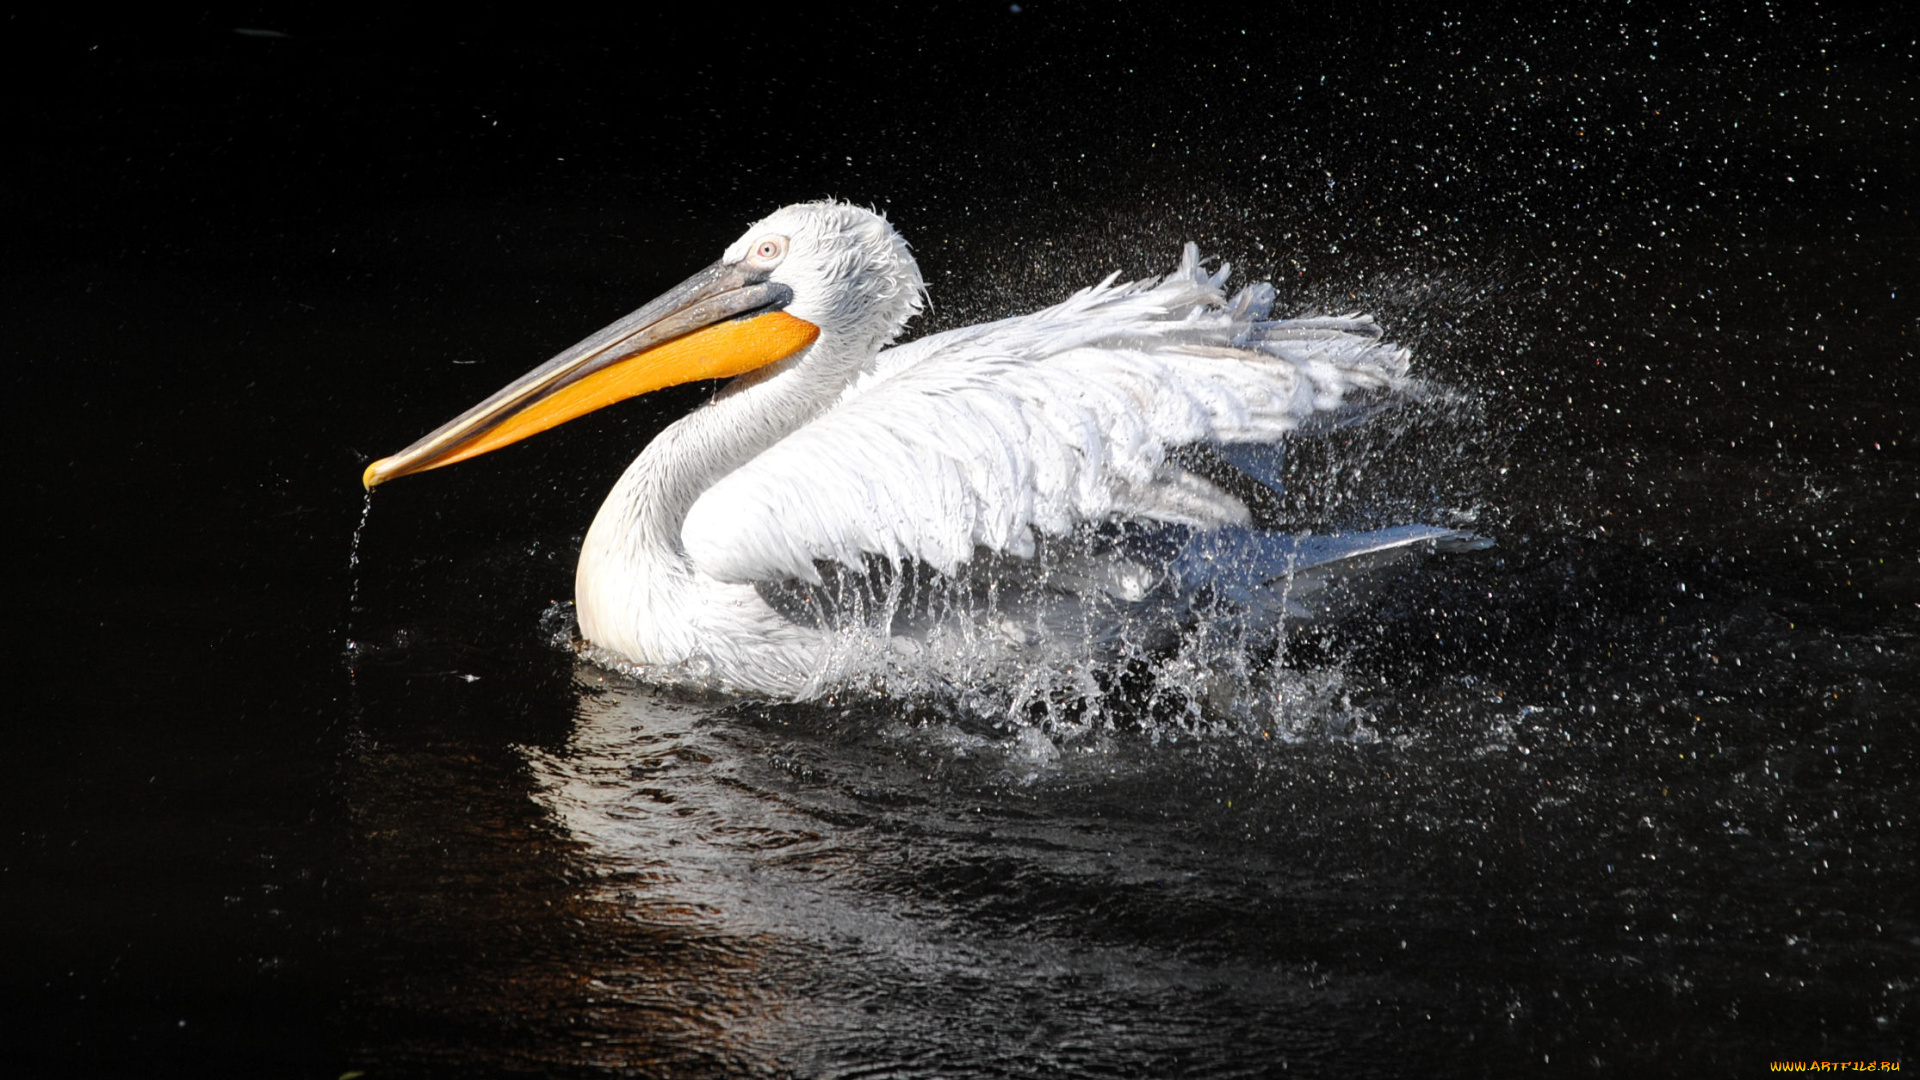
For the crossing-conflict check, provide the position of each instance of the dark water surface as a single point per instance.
(1630, 793)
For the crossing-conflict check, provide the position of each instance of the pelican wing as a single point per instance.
(990, 436)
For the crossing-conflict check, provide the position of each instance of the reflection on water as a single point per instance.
(502, 940)
(860, 875)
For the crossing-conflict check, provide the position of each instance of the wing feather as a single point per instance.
(985, 436)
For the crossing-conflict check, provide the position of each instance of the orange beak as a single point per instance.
(723, 321)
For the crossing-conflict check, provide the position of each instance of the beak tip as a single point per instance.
(372, 477)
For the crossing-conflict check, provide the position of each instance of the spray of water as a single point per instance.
(351, 647)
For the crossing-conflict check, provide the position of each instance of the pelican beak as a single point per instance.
(724, 321)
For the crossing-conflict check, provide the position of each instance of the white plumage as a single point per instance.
(985, 440)
(981, 437)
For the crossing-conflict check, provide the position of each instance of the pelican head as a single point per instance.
(806, 273)
(848, 271)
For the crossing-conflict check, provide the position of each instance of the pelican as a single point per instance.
(1126, 420)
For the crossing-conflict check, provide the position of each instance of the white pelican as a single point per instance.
(999, 443)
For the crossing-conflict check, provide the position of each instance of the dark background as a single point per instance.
(1669, 252)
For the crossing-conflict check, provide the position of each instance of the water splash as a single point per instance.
(1154, 629)
(352, 648)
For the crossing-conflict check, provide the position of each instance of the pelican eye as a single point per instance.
(768, 251)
